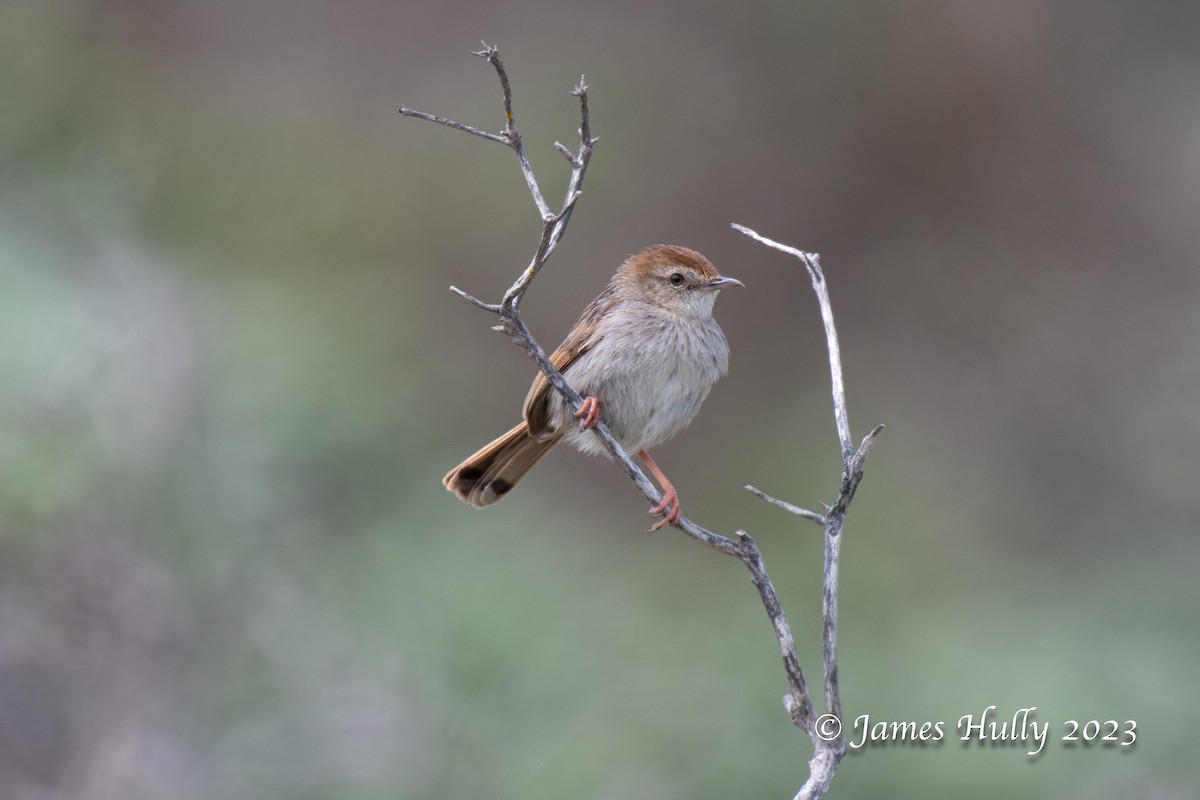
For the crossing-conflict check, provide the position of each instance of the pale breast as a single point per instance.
(651, 372)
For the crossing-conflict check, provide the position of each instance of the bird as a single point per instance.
(643, 355)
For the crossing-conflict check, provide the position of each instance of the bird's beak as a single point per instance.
(720, 282)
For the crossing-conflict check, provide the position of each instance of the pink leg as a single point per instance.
(669, 509)
(588, 413)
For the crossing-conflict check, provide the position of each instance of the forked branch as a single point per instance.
(554, 224)
(829, 743)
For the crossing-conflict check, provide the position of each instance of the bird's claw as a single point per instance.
(669, 509)
(588, 413)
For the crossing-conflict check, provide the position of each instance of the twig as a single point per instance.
(812, 262)
(829, 743)
(786, 506)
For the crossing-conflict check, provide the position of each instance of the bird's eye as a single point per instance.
(676, 278)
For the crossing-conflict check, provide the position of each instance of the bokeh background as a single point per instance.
(232, 376)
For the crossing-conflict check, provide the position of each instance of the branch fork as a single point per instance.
(828, 752)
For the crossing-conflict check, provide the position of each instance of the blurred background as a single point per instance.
(233, 377)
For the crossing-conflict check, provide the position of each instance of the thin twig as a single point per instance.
(786, 506)
(458, 126)
(493, 307)
(511, 132)
(812, 262)
(554, 226)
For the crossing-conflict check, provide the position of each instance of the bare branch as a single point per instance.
(828, 749)
(812, 262)
(820, 774)
(449, 123)
(786, 506)
(495, 309)
(860, 455)
(797, 702)
(511, 135)
(511, 132)
(555, 226)
(562, 148)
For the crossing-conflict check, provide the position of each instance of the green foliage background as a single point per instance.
(231, 378)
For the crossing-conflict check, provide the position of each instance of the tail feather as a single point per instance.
(491, 473)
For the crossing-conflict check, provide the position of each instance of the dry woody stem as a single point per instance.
(828, 751)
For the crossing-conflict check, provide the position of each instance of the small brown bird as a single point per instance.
(643, 355)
